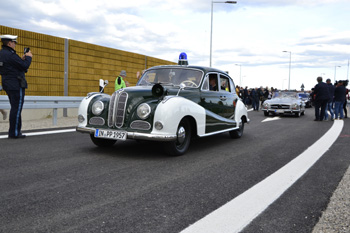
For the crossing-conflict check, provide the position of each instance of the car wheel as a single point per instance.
(266, 113)
(102, 142)
(297, 114)
(238, 132)
(303, 113)
(182, 142)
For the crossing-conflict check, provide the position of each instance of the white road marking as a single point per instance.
(43, 133)
(272, 119)
(242, 210)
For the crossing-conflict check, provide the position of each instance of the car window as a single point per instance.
(213, 82)
(224, 83)
(205, 85)
(232, 86)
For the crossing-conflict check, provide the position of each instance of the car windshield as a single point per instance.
(284, 95)
(303, 95)
(171, 76)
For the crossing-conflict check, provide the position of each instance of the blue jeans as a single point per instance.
(338, 109)
(329, 108)
(255, 104)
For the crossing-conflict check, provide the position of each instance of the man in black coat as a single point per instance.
(329, 106)
(245, 96)
(12, 70)
(322, 97)
(339, 99)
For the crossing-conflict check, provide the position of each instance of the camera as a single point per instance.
(26, 50)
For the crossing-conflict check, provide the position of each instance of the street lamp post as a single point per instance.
(335, 71)
(240, 74)
(290, 63)
(211, 27)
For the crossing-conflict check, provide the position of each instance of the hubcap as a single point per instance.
(181, 134)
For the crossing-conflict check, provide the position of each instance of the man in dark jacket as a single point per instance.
(245, 96)
(339, 99)
(329, 106)
(255, 99)
(321, 99)
(12, 70)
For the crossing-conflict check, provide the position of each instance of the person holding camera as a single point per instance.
(12, 70)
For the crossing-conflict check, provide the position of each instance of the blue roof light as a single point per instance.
(183, 56)
(183, 59)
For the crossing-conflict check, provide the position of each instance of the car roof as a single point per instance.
(202, 68)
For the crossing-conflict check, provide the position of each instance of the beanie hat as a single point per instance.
(123, 72)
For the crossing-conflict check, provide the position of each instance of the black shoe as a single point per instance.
(316, 120)
(22, 136)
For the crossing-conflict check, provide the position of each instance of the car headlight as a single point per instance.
(97, 107)
(143, 110)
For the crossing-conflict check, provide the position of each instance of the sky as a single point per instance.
(248, 38)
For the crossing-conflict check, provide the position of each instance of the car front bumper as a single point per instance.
(282, 111)
(134, 135)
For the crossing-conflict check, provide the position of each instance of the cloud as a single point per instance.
(252, 32)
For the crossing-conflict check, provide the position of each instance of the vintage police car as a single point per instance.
(169, 104)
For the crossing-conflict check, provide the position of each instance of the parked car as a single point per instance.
(284, 102)
(305, 97)
(169, 104)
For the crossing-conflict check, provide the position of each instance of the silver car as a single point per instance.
(284, 102)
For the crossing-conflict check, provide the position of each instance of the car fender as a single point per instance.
(84, 105)
(172, 110)
(241, 110)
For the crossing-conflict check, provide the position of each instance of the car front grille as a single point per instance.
(96, 121)
(141, 125)
(116, 112)
(280, 106)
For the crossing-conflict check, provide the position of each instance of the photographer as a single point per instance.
(12, 70)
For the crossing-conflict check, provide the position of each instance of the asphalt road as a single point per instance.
(63, 183)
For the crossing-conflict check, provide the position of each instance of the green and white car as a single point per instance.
(169, 104)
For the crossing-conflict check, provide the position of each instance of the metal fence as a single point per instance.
(45, 102)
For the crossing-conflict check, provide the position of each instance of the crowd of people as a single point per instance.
(254, 96)
(330, 98)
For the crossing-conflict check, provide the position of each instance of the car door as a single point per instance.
(210, 98)
(227, 96)
(219, 104)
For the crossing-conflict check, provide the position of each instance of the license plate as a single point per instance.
(111, 134)
(279, 111)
